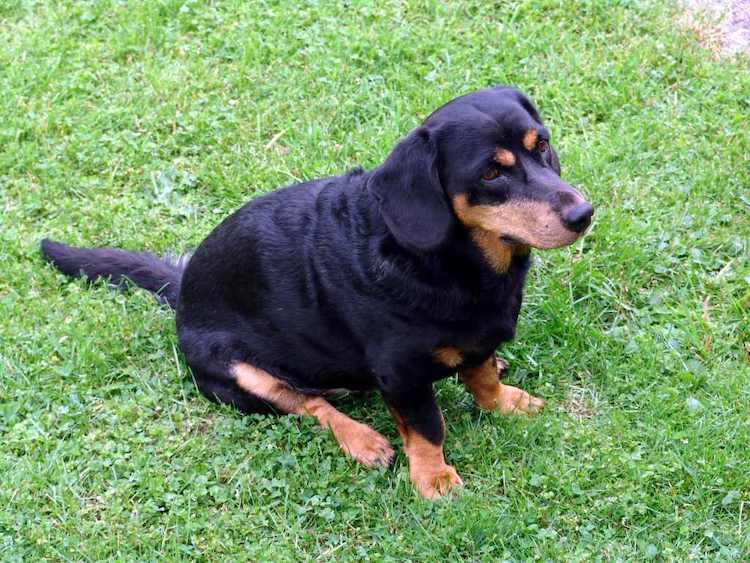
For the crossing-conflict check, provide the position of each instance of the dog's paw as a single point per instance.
(368, 447)
(513, 400)
(433, 483)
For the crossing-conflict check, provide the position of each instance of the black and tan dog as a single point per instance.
(388, 280)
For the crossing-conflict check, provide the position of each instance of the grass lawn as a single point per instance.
(141, 124)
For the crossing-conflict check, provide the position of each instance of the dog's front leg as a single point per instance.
(483, 383)
(420, 424)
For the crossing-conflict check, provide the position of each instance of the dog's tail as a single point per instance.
(160, 276)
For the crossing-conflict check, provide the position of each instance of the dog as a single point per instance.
(386, 280)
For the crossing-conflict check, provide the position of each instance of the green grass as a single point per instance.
(141, 124)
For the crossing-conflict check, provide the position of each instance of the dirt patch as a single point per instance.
(581, 403)
(723, 26)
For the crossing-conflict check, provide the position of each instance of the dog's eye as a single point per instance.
(542, 145)
(491, 173)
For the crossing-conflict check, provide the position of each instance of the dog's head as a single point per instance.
(484, 160)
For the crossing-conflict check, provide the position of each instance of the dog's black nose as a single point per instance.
(578, 218)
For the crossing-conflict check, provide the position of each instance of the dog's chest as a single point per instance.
(490, 316)
(491, 323)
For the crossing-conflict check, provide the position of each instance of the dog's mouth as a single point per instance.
(511, 240)
(544, 237)
(527, 222)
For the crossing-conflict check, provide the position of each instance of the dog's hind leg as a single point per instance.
(482, 382)
(358, 440)
(226, 391)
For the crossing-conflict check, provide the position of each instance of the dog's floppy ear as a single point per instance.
(411, 198)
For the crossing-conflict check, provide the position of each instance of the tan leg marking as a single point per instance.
(483, 383)
(529, 139)
(356, 439)
(449, 356)
(504, 157)
(431, 476)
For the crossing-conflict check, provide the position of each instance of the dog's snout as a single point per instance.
(578, 218)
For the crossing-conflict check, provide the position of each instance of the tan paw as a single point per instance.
(435, 482)
(368, 447)
(513, 400)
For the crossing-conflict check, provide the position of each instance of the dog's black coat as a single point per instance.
(352, 281)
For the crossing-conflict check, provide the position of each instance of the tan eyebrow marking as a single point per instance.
(504, 157)
(529, 139)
